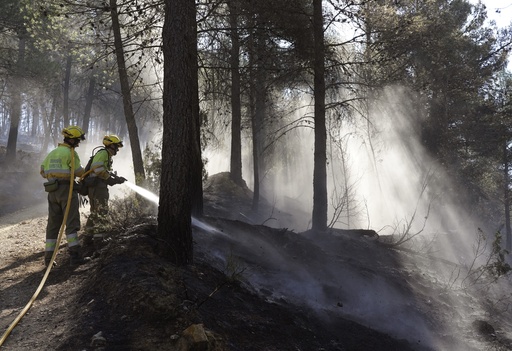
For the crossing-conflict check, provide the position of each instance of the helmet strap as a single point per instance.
(72, 142)
(113, 149)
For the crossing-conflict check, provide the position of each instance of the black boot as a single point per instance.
(75, 257)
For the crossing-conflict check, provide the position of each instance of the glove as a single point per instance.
(120, 180)
(111, 181)
(115, 179)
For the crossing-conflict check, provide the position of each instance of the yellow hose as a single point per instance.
(49, 268)
(86, 174)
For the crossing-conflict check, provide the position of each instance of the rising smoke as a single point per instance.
(393, 187)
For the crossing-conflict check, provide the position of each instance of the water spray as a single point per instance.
(155, 199)
(143, 192)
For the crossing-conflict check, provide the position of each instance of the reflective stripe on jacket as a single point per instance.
(101, 164)
(57, 164)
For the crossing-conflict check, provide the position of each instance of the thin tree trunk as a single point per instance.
(88, 104)
(15, 114)
(16, 103)
(257, 135)
(508, 232)
(236, 108)
(54, 121)
(319, 219)
(45, 123)
(253, 112)
(255, 153)
(138, 164)
(36, 116)
(65, 93)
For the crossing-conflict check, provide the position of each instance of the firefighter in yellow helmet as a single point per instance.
(56, 168)
(100, 178)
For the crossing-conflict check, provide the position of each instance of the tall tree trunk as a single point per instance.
(88, 104)
(253, 112)
(16, 103)
(138, 164)
(255, 148)
(319, 219)
(257, 135)
(45, 124)
(236, 108)
(65, 93)
(15, 113)
(180, 105)
(195, 139)
(36, 117)
(506, 174)
(54, 122)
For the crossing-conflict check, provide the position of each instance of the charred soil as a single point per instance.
(129, 298)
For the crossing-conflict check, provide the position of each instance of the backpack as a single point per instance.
(85, 181)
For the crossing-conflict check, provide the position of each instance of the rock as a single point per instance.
(196, 338)
(98, 341)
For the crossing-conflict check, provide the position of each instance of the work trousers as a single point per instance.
(57, 203)
(98, 199)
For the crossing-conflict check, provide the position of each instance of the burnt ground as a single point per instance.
(251, 287)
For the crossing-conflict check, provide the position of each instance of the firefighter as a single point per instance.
(100, 178)
(56, 168)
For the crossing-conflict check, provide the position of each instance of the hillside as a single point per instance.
(251, 287)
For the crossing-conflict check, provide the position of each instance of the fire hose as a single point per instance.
(49, 268)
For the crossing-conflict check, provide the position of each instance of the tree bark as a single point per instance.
(138, 164)
(88, 104)
(16, 103)
(258, 120)
(36, 117)
(508, 232)
(253, 93)
(195, 139)
(65, 93)
(180, 105)
(255, 148)
(236, 108)
(319, 219)
(46, 118)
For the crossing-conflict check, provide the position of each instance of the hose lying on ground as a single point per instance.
(49, 268)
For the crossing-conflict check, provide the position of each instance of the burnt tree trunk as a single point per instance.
(319, 218)
(16, 102)
(88, 104)
(508, 234)
(180, 105)
(195, 138)
(138, 164)
(65, 93)
(236, 108)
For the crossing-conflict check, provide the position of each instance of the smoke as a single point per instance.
(379, 175)
(391, 185)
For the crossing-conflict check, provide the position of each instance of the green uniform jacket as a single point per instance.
(57, 164)
(101, 164)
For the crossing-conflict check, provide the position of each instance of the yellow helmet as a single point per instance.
(112, 139)
(73, 132)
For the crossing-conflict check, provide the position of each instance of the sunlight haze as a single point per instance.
(499, 11)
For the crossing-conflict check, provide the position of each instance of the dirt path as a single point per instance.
(21, 270)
